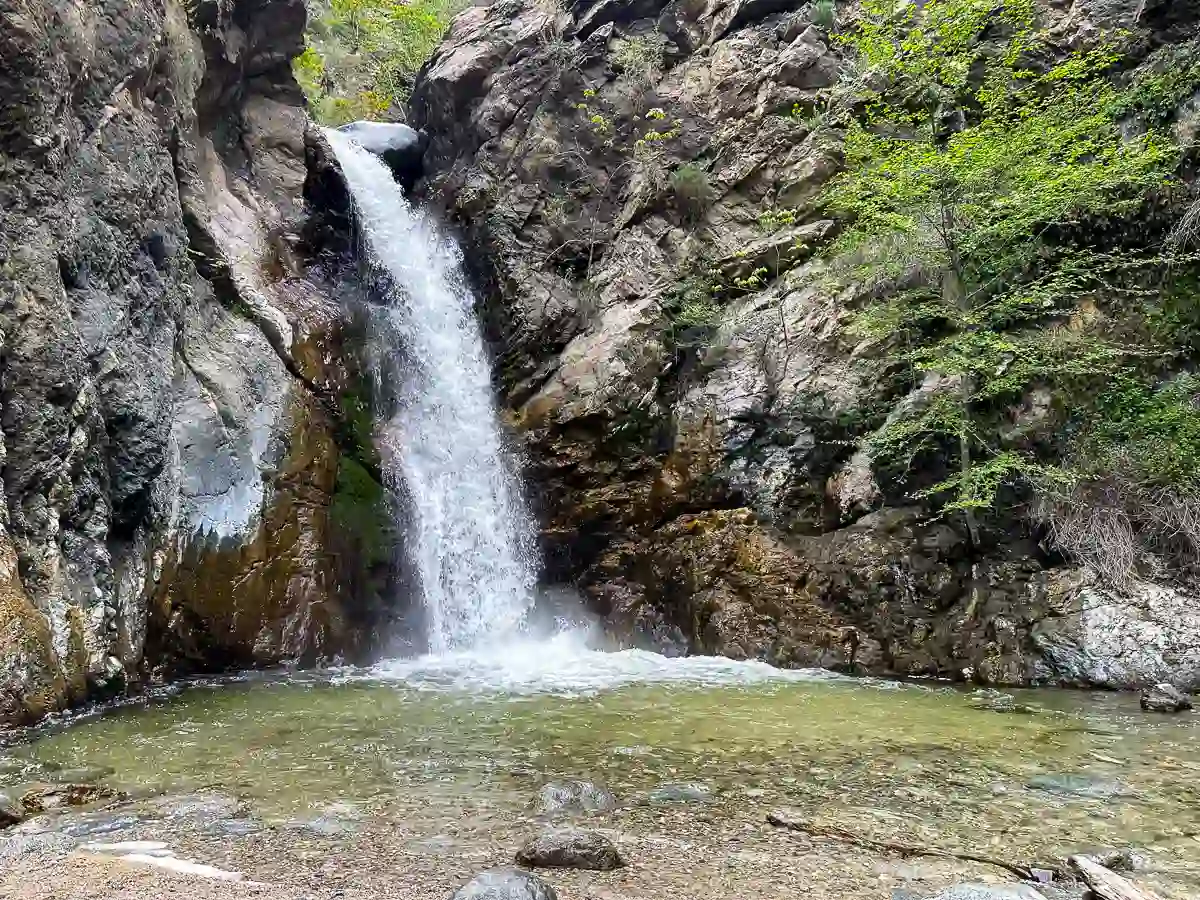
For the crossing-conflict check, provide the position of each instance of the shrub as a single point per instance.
(692, 191)
(824, 14)
(362, 55)
(640, 57)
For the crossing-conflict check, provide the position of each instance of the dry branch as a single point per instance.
(782, 820)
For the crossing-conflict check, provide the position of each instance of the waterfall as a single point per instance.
(470, 539)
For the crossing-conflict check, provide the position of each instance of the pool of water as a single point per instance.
(1030, 776)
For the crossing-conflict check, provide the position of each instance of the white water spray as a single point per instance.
(470, 539)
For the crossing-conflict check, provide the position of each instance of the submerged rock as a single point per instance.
(1165, 698)
(505, 884)
(989, 892)
(575, 796)
(1076, 785)
(568, 848)
(681, 793)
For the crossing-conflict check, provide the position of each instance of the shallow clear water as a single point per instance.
(917, 763)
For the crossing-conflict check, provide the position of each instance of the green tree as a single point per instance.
(970, 172)
(363, 55)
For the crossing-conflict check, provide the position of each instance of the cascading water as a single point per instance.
(470, 538)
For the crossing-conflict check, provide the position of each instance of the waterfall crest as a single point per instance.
(470, 539)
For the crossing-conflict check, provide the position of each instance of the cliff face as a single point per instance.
(169, 380)
(697, 469)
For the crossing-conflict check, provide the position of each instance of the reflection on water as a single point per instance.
(1059, 772)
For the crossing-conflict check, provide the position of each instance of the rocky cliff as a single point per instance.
(172, 390)
(698, 470)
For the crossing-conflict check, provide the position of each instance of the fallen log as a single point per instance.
(1107, 884)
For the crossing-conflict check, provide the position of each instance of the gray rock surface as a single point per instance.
(701, 476)
(505, 884)
(570, 848)
(166, 366)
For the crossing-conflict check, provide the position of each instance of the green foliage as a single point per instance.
(362, 55)
(360, 512)
(1169, 78)
(640, 57)
(824, 13)
(693, 308)
(692, 191)
(1153, 429)
(963, 174)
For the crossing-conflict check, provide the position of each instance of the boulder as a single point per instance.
(400, 146)
(681, 793)
(1165, 698)
(569, 848)
(505, 884)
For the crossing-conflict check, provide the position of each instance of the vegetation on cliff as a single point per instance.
(1005, 212)
(362, 55)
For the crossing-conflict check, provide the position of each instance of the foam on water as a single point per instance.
(565, 665)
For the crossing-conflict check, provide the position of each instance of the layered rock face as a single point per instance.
(697, 470)
(169, 381)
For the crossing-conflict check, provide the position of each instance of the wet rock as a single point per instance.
(1165, 698)
(569, 848)
(995, 701)
(335, 819)
(42, 799)
(558, 797)
(681, 793)
(1076, 786)
(11, 812)
(198, 809)
(989, 892)
(505, 884)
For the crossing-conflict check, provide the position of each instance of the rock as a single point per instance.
(989, 892)
(505, 884)
(1165, 698)
(558, 797)
(646, 429)
(568, 848)
(11, 812)
(400, 146)
(681, 793)
(199, 809)
(1076, 786)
